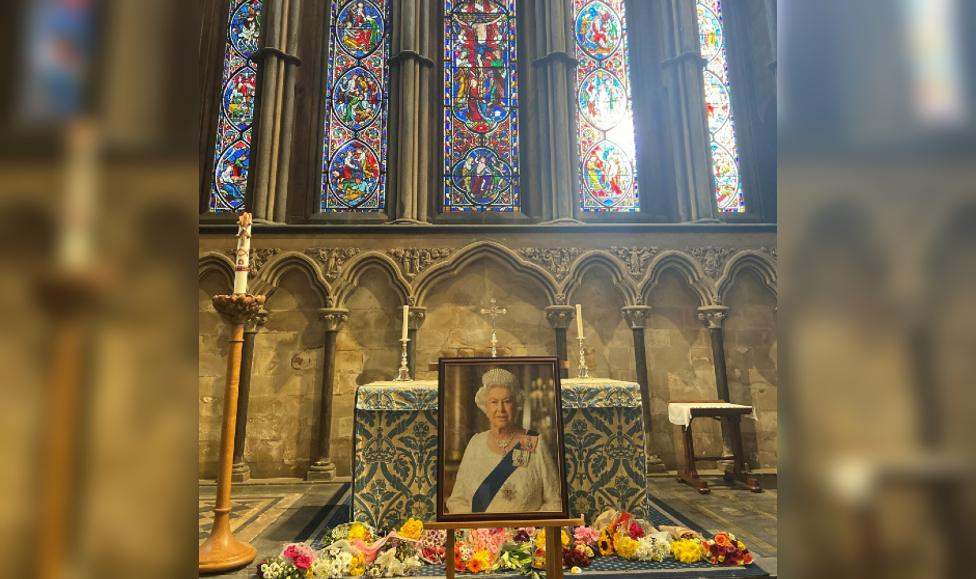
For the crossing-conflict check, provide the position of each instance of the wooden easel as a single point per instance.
(554, 546)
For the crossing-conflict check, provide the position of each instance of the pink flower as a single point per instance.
(290, 551)
(585, 536)
(303, 561)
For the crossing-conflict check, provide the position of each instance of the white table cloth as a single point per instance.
(680, 412)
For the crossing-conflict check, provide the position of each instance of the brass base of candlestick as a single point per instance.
(222, 551)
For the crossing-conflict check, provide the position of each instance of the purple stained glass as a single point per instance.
(604, 112)
(232, 149)
(481, 170)
(356, 108)
(726, 174)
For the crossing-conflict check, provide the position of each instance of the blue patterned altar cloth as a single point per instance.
(395, 450)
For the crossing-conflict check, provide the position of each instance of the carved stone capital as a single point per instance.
(636, 316)
(238, 308)
(559, 317)
(416, 318)
(257, 321)
(713, 316)
(333, 318)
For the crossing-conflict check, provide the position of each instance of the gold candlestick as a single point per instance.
(222, 551)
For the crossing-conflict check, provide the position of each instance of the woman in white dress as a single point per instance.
(505, 469)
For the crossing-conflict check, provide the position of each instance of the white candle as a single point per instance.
(243, 254)
(579, 321)
(406, 315)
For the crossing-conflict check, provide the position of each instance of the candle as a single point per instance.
(579, 321)
(406, 316)
(243, 254)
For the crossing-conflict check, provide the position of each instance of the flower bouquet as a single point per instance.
(725, 549)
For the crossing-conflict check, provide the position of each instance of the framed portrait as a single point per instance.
(500, 440)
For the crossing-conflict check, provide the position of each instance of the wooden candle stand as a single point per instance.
(222, 551)
(554, 546)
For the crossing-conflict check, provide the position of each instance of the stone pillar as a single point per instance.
(411, 37)
(686, 100)
(714, 317)
(556, 85)
(414, 322)
(323, 468)
(275, 108)
(240, 471)
(636, 317)
(559, 318)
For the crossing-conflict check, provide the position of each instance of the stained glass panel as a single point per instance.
(604, 113)
(356, 108)
(236, 117)
(481, 157)
(718, 105)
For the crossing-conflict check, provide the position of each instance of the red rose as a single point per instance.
(303, 561)
(290, 551)
(636, 532)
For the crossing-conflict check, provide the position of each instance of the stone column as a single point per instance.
(714, 317)
(240, 471)
(414, 322)
(272, 130)
(636, 317)
(559, 318)
(686, 101)
(411, 37)
(556, 85)
(323, 468)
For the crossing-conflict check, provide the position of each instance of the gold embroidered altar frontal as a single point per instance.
(395, 453)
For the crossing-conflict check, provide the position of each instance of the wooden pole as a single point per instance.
(222, 551)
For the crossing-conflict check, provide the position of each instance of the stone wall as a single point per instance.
(283, 419)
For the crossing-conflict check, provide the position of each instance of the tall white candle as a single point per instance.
(243, 253)
(579, 320)
(406, 315)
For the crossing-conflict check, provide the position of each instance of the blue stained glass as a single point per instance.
(604, 113)
(232, 146)
(481, 171)
(356, 108)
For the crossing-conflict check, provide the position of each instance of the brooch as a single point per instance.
(520, 457)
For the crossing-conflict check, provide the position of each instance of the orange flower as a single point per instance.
(722, 540)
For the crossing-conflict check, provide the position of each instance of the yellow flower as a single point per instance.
(540, 539)
(358, 531)
(686, 551)
(412, 529)
(626, 547)
(564, 538)
(357, 566)
(575, 570)
(605, 543)
(481, 561)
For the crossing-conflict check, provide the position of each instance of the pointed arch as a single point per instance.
(214, 261)
(362, 263)
(687, 267)
(475, 251)
(269, 278)
(599, 258)
(752, 260)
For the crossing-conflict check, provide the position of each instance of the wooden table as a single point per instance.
(685, 413)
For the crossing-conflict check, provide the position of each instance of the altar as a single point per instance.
(395, 449)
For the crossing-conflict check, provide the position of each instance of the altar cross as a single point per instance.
(493, 311)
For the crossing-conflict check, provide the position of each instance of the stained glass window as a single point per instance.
(481, 156)
(718, 105)
(236, 117)
(604, 112)
(356, 107)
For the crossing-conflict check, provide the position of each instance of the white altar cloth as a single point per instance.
(680, 412)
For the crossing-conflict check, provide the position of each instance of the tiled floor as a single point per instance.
(269, 514)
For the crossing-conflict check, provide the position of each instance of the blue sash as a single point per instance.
(495, 479)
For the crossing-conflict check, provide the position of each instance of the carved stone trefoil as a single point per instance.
(712, 259)
(414, 260)
(636, 258)
(555, 260)
(331, 258)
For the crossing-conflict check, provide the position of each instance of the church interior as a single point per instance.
(589, 180)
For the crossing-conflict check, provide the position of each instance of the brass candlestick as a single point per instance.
(403, 374)
(584, 372)
(222, 551)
